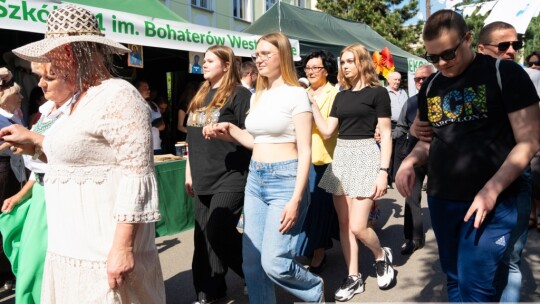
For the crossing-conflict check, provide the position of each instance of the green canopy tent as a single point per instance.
(318, 30)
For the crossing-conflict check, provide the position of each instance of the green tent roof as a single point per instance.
(318, 30)
(150, 8)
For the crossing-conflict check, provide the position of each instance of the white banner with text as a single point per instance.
(31, 16)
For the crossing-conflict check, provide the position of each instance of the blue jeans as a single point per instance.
(470, 257)
(510, 281)
(268, 254)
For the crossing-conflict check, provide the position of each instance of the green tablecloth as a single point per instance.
(175, 205)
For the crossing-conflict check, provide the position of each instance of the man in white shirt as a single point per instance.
(398, 98)
(249, 74)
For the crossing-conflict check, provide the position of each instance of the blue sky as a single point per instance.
(435, 6)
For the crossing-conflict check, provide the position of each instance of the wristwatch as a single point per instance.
(387, 170)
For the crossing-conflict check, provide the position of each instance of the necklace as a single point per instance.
(40, 127)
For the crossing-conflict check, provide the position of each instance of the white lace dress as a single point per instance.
(101, 172)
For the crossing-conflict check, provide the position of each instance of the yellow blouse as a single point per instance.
(322, 150)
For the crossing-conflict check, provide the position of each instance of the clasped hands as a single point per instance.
(18, 139)
(216, 130)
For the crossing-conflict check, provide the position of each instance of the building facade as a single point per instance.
(232, 15)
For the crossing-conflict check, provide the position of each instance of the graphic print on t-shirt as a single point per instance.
(201, 117)
(458, 106)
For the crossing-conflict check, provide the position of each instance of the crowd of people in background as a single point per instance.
(301, 160)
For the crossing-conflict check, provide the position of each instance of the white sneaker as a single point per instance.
(385, 269)
(351, 285)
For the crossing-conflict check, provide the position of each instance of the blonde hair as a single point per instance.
(364, 63)
(230, 80)
(287, 69)
(5, 93)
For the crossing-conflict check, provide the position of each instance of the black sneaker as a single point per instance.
(385, 269)
(351, 285)
(411, 246)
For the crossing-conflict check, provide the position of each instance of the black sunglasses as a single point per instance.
(531, 63)
(503, 46)
(446, 55)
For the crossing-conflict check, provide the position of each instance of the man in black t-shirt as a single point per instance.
(484, 137)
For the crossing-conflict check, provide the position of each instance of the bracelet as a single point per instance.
(387, 170)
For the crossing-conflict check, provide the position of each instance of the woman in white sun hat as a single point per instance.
(100, 185)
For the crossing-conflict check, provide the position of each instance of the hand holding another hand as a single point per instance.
(18, 139)
(17, 135)
(216, 130)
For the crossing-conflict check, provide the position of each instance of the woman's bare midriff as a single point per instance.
(273, 153)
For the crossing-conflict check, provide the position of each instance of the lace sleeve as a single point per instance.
(125, 125)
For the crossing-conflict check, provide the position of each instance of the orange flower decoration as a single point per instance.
(384, 64)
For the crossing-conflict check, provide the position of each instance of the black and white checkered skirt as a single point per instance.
(354, 168)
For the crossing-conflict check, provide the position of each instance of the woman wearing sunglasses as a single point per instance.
(533, 60)
(278, 129)
(320, 225)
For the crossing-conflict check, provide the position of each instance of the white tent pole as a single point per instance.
(279, 15)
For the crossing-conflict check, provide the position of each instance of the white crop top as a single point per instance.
(270, 120)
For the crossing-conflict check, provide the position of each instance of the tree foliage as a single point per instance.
(386, 17)
(532, 36)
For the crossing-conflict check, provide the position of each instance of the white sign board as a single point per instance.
(412, 66)
(31, 16)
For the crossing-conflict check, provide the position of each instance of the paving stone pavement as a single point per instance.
(419, 277)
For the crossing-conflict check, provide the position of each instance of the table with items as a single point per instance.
(175, 205)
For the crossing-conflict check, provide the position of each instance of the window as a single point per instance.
(269, 3)
(201, 3)
(241, 9)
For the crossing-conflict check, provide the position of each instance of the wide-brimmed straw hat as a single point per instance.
(67, 24)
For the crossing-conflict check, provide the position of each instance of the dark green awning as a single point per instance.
(318, 30)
